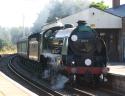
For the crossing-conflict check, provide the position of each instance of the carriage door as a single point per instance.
(33, 49)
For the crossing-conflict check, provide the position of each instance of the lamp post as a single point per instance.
(23, 19)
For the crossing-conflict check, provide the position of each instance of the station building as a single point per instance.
(110, 24)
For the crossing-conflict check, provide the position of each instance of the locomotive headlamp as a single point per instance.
(88, 62)
(73, 62)
(74, 38)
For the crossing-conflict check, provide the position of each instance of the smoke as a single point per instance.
(63, 8)
(60, 9)
(41, 20)
(59, 82)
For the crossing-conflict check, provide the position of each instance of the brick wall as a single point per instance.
(115, 3)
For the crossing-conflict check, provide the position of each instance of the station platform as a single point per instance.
(117, 68)
(9, 87)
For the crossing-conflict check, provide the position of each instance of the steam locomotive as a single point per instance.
(76, 52)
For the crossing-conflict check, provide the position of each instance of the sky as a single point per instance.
(14, 13)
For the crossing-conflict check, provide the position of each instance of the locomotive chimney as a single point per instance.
(115, 3)
(81, 22)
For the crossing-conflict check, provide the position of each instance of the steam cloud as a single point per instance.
(60, 9)
(60, 82)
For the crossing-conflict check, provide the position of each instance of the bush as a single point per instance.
(7, 47)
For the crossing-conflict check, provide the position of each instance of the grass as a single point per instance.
(8, 50)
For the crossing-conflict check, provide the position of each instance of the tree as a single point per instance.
(99, 5)
(3, 43)
(17, 33)
(4, 34)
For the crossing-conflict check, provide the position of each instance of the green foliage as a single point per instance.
(10, 36)
(16, 34)
(7, 47)
(4, 34)
(4, 43)
(1, 44)
(99, 5)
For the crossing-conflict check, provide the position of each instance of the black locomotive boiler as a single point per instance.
(76, 52)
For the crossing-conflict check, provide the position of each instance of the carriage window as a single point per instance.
(48, 33)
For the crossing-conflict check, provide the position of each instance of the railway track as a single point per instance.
(41, 88)
(50, 92)
(101, 91)
(69, 91)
